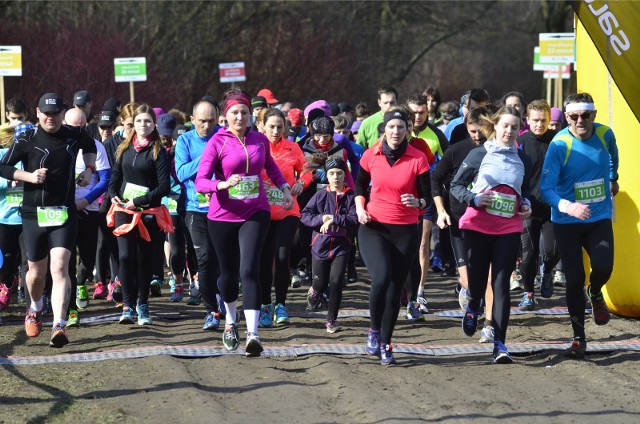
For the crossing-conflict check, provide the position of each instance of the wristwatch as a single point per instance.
(300, 182)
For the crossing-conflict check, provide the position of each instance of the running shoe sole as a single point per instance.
(253, 348)
(59, 339)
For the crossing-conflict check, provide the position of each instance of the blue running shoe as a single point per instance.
(413, 312)
(528, 302)
(177, 295)
(211, 321)
(373, 343)
(386, 355)
(266, 316)
(546, 288)
(222, 308)
(500, 353)
(144, 318)
(128, 316)
(470, 322)
(280, 314)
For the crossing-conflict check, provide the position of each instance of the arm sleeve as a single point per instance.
(115, 182)
(310, 215)
(440, 173)
(551, 168)
(465, 176)
(13, 156)
(613, 156)
(526, 180)
(186, 168)
(424, 187)
(104, 176)
(362, 183)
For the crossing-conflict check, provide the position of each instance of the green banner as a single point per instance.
(613, 27)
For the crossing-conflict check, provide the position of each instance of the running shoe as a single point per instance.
(352, 274)
(413, 312)
(386, 355)
(463, 298)
(117, 293)
(280, 314)
(177, 295)
(559, 278)
(144, 318)
(546, 288)
(82, 297)
(99, 291)
(222, 308)
(5, 296)
(436, 264)
(500, 353)
(128, 316)
(46, 304)
(194, 295)
(470, 322)
(211, 321)
(33, 323)
(172, 283)
(110, 288)
(22, 297)
(313, 300)
(332, 327)
(58, 336)
(422, 305)
(373, 343)
(296, 281)
(156, 287)
(528, 302)
(599, 308)
(266, 316)
(487, 335)
(230, 337)
(577, 350)
(516, 281)
(73, 320)
(253, 347)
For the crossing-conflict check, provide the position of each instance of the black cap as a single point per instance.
(113, 105)
(51, 103)
(180, 129)
(81, 98)
(106, 119)
(258, 101)
(166, 124)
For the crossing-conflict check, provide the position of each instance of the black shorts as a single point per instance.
(39, 240)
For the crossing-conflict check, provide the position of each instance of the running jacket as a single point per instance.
(536, 148)
(570, 161)
(290, 161)
(343, 208)
(9, 215)
(57, 152)
(189, 148)
(225, 155)
(497, 168)
(435, 139)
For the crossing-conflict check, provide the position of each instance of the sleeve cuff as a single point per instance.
(562, 205)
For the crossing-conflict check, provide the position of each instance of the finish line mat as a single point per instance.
(310, 349)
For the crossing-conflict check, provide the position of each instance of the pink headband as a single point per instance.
(235, 99)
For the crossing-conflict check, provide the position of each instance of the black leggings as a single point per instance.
(498, 252)
(106, 252)
(388, 251)
(412, 282)
(533, 229)
(330, 273)
(457, 243)
(238, 246)
(86, 247)
(597, 239)
(9, 235)
(207, 261)
(177, 246)
(136, 259)
(277, 246)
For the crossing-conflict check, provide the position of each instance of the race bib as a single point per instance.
(131, 191)
(247, 188)
(202, 201)
(275, 196)
(590, 191)
(503, 205)
(14, 196)
(52, 216)
(172, 204)
(320, 187)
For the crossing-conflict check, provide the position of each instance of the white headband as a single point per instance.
(574, 107)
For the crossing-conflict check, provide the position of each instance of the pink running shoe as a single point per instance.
(110, 288)
(99, 291)
(5, 296)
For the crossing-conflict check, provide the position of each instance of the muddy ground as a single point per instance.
(539, 387)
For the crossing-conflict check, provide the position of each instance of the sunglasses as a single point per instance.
(584, 115)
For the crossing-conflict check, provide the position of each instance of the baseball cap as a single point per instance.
(81, 98)
(258, 101)
(51, 103)
(113, 105)
(180, 129)
(296, 117)
(166, 124)
(106, 118)
(268, 96)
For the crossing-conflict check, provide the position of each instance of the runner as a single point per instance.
(239, 212)
(274, 266)
(368, 133)
(189, 149)
(388, 234)
(49, 216)
(499, 174)
(332, 213)
(139, 180)
(579, 178)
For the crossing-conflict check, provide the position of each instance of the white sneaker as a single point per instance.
(422, 305)
(463, 299)
(253, 346)
(516, 281)
(559, 279)
(487, 335)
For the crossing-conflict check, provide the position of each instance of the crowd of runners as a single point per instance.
(249, 197)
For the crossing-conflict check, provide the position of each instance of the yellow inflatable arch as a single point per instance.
(622, 292)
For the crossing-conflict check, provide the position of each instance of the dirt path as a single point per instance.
(346, 388)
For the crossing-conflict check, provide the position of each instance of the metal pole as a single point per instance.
(131, 92)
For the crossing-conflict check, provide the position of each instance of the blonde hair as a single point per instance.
(6, 136)
(488, 122)
(154, 137)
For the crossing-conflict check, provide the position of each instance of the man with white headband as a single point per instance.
(579, 178)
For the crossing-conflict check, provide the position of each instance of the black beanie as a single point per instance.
(322, 125)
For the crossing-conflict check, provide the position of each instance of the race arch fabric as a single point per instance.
(613, 26)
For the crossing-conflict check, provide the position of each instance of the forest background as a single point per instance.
(301, 50)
